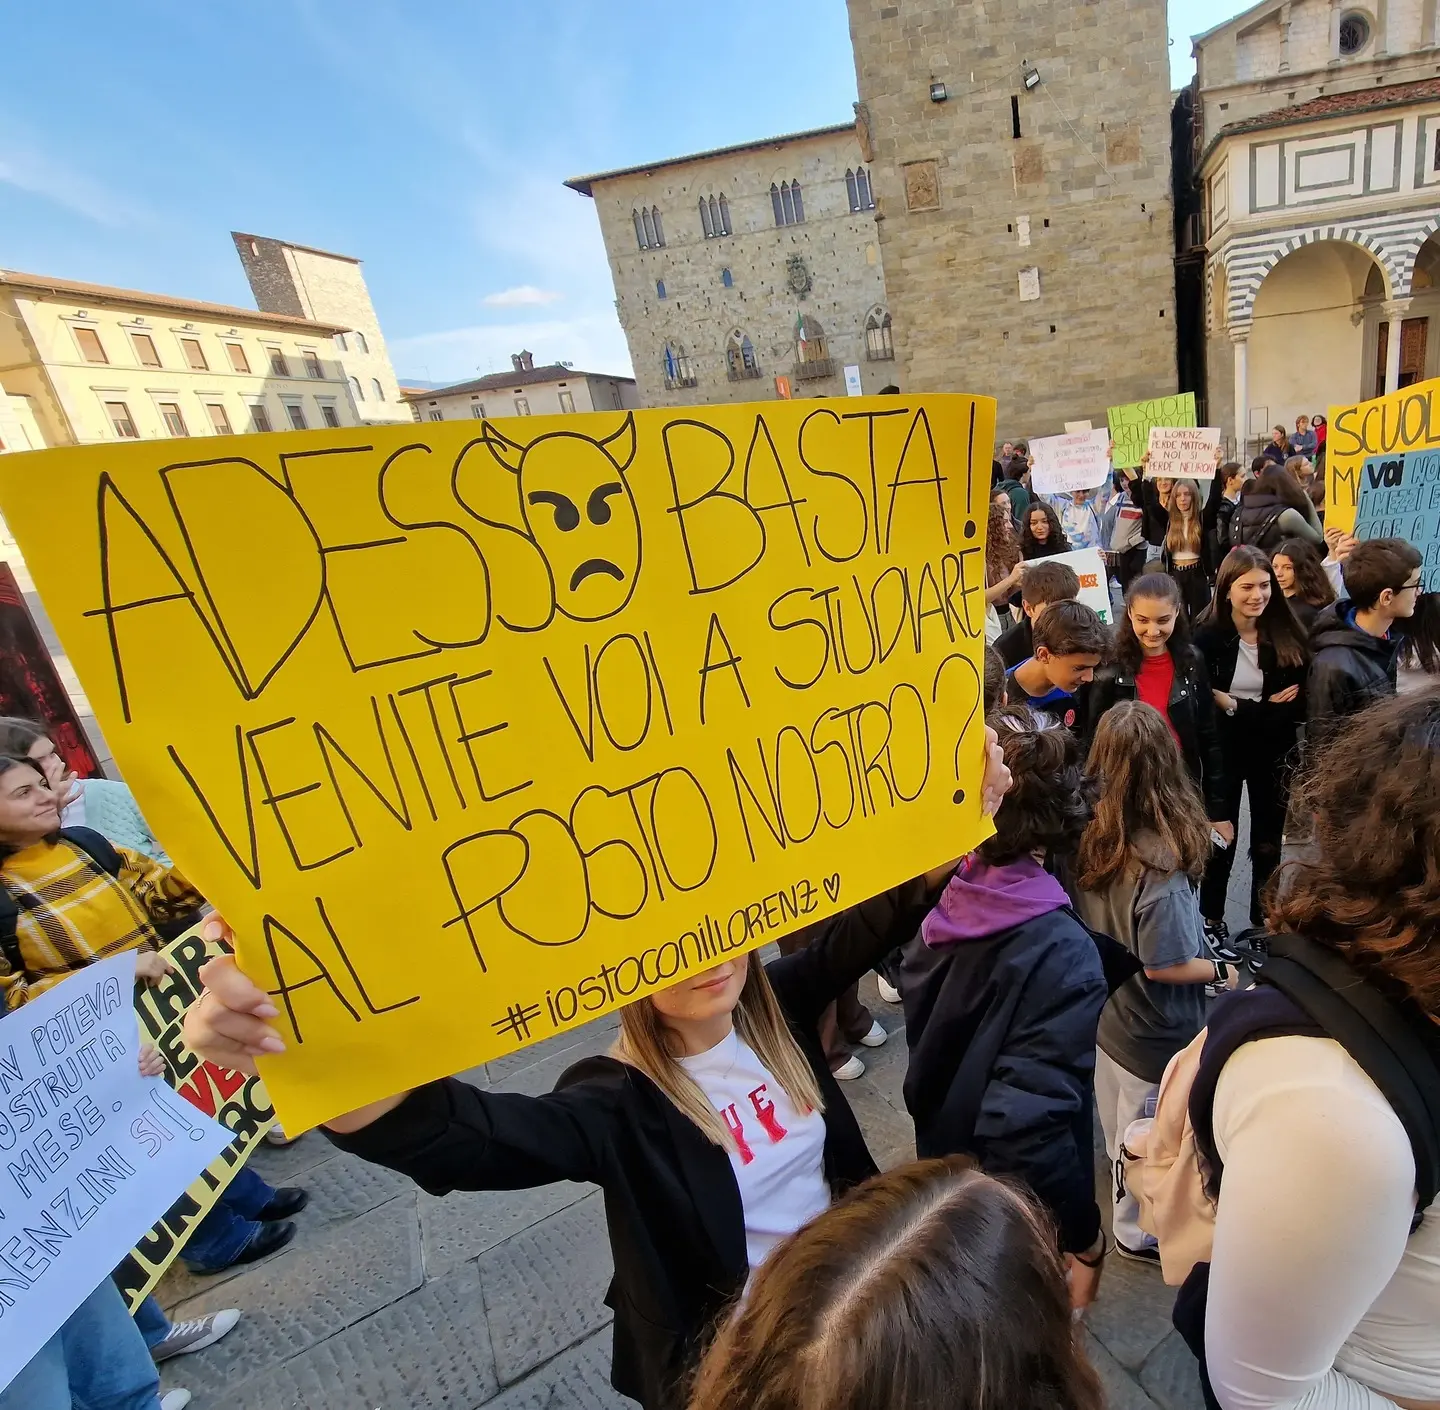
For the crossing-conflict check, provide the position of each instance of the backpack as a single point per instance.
(1169, 1163)
(93, 848)
(1265, 535)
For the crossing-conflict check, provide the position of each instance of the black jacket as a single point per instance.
(1001, 1032)
(1192, 712)
(1016, 644)
(1219, 644)
(1351, 669)
(677, 1230)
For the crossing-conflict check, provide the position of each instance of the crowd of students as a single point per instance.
(1060, 967)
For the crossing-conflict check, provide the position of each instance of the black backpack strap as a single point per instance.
(98, 848)
(9, 941)
(1380, 1035)
(1241, 1017)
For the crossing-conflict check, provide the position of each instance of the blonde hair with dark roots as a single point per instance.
(648, 1045)
(1145, 787)
(932, 1284)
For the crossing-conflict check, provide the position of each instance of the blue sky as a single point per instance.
(429, 140)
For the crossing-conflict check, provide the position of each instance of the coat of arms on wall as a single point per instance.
(797, 276)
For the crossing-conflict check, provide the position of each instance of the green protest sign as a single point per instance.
(1130, 425)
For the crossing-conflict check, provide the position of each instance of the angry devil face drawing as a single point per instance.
(580, 514)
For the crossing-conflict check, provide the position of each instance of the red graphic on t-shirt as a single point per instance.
(731, 1118)
(765, 1110)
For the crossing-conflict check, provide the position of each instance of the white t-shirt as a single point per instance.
(1248, 682)
(1320, 1296)
(779, 1155)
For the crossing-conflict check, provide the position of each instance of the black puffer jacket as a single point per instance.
(1192, 713)
(1351, 669)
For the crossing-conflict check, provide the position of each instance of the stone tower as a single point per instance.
(317, 284)
(1021, 153)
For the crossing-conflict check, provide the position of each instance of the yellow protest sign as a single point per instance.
(237, 1102)
(475, 731)
(1387, 426)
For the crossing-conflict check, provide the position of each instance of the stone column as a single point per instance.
(1240, 338)
(1395, 312)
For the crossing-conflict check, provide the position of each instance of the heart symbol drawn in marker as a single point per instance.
(832, 887)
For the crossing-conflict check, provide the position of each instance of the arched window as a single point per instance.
(862, 185)
(705, 223)
(676, 364)
(377, 389)
(878, 344)
(649, 241)
(355, 387)
(659, 288)
(639, 230)
(724, 214)
(812, 356)
(714, 217)
(727, 279)
(785, 201)
(655, 221)
(741, 363)
(361, 343)
(852, 189)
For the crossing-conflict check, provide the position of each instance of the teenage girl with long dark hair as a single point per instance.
(1183, 553)
(1300, 572)
(1154, 660)
(1257, 657)
(714, 1126)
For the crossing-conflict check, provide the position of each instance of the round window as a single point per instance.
(1354, 32)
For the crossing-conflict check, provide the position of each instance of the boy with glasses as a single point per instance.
(1354, 648)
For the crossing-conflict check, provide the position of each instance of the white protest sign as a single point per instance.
(1090, 569)
(1183, 452)
(92, 1153)
(1079, 461)
(852, 381)
(1075, 427)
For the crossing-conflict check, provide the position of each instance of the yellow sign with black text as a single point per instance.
(475, 731)
(1373, 432)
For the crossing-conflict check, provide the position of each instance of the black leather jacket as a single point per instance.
(1192, 713)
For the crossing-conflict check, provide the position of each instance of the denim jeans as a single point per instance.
(153, 1323)
(97, 1361)
(223, 1233)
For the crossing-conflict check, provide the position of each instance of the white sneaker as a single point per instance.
(888, 991)
(875, 1037)
(849, 1070)
(195, 1335)
(175, 1400)
(276, 1136)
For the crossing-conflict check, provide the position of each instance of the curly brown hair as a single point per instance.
(1050, 800)
(932, 1284)
(1002, 547)
(1146, 788)
(1369, 885)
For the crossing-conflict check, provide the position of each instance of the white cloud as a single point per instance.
(593, 342)
(522, 296)
(29, 169)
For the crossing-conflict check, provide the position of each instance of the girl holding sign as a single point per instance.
(714, 1126)
(1183, 553)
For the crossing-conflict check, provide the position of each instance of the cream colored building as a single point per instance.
(96, 363)
(526, 390)
(304, 282)
(748, 271)
(1319, 132)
